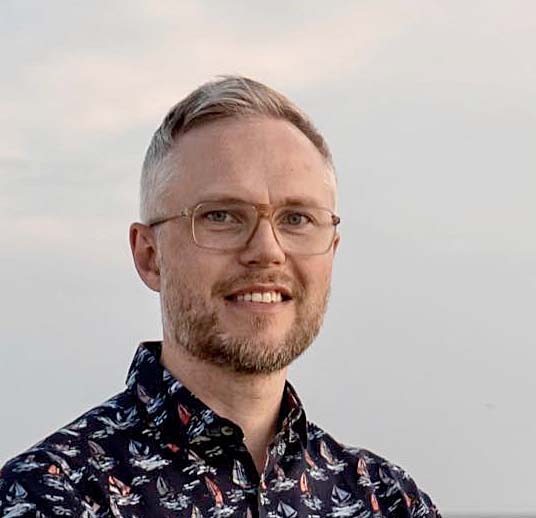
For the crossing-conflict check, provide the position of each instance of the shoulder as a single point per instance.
(392, 486)
(53, 476)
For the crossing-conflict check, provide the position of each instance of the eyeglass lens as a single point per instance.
(227, 226)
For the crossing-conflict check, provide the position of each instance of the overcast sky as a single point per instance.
(428, 351)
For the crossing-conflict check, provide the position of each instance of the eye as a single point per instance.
(220, 216)
(295, 219)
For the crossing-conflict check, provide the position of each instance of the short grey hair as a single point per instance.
(228, 96)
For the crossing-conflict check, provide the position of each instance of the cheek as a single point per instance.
(315, 273)
(201, 270)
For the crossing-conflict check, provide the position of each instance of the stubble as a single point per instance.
(197, 328)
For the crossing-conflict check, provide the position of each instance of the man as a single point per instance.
(238, 236)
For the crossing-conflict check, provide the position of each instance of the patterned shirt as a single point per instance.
(156, 450)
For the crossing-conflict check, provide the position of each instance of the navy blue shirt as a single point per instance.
(156, 450)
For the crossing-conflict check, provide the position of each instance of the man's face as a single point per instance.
(256, 160)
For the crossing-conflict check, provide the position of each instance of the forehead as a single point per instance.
(257, 159)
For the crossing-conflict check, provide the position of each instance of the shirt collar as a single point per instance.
(167, 404)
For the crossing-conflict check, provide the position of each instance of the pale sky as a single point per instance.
(429, 345)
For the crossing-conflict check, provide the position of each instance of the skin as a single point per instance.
(259, 160)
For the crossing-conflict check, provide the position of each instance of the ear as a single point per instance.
(336, 243)
(144, 253)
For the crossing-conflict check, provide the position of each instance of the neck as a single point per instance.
(252, 401)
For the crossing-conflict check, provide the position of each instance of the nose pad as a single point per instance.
(263, 212)
(259, 248)
(258, 226)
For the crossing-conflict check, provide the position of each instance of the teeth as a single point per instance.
(266, 297)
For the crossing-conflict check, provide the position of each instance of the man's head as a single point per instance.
(237, 139)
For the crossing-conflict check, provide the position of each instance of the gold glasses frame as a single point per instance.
(263, 210)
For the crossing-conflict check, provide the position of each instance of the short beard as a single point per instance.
(194, 327)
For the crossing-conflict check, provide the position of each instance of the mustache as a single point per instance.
(237, 282)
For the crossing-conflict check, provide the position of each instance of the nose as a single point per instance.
(263, 248)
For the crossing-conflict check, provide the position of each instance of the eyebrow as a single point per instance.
(303, 201)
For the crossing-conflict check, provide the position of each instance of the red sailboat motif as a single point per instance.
(309, 460)
(304, 485)
(117, 487)
(184, 414)
(326, 454)
(173, 447)
(374, 503)
(54, 470)
(215, 491)
(362, 469)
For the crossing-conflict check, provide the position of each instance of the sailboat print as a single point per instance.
(142, 394)
(332, 463)
(316, 472)
(117, 487)
(279, 472)
(375, 506)
(215, 491)
(304, 486)
(162, 487)
(16, 492)
(220, 510)
(173, 447)
(286, 511)
(121, 493)
(184, 414)
(339, 496)
(16, 496)
(198, 465)
(309, 460)
(53, 470)
(311, 501)
(169, 498)
(153, 454)
(239, 475)
(363, 474)
(282, 482)
(343, 503)
(98, 458)
(362, 469)
(384, 477)
(325, 453)
(141, 457)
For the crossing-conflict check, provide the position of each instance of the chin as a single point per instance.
(256, 340)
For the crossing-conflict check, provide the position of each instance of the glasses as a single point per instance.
(229, 226)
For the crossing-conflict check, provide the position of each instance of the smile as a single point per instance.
(260, 295)
(267, 297)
